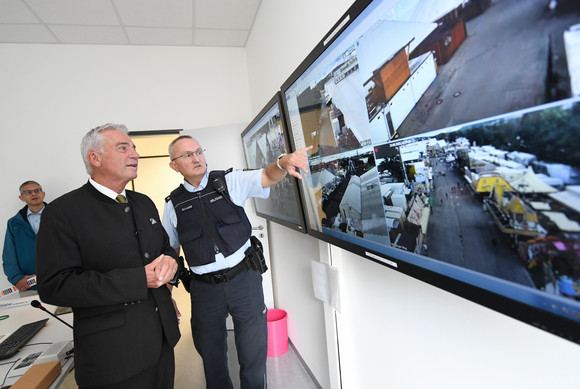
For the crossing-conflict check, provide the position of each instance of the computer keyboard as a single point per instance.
(13, 343)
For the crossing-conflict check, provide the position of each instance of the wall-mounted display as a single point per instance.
(446, 140)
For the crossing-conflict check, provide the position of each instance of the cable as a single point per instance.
(9, 370)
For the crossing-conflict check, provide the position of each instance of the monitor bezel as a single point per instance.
(299, 226)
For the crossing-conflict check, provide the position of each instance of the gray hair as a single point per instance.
(29, 182)
(174, 141)
(93, 141)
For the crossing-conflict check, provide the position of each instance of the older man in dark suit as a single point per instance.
(103, 251)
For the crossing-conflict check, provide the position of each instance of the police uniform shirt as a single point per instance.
(242, 184)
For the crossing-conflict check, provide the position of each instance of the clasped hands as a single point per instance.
(160, 271)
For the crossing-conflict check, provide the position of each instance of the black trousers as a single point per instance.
(160, 376)
(243, 299)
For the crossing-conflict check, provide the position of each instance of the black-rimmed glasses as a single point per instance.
(31, 191)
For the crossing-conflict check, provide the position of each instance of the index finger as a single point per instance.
(305, 149)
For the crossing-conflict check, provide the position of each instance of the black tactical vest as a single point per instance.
(208, 222)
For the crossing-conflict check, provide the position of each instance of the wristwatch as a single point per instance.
(278, 161)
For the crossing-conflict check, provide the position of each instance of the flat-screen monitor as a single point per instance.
(446, 145)
(264, 140)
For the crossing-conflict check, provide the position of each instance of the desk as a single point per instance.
(53, 332)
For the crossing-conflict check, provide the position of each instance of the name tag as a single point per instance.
(216, 199)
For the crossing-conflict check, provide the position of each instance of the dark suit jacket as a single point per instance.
(91, 254)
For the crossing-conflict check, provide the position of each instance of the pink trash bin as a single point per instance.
(277, 332)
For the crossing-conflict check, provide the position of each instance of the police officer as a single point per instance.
(205, 215)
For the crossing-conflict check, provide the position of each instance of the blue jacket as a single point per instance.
(19, 253)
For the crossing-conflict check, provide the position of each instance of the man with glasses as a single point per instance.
(19, 253)
(205, 215)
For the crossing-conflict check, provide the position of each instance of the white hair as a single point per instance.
(93, 141)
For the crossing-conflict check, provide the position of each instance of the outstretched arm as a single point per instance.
(273, 174)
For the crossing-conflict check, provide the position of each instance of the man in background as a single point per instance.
(19, 253)
(103, 252)
(205, 215)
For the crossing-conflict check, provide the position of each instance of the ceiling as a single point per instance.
(223, 23)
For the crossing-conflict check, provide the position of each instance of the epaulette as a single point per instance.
(175, 192)
(228, 171)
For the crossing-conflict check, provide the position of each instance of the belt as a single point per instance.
(225, 275)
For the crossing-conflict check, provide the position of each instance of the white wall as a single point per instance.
(291, 253)
(51, 95)
(284, 33)
(393, 331)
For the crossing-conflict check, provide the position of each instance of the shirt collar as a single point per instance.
(106, 191)
(202, 184)
(29, 212)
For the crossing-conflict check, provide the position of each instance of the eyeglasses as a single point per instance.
(31, 191)
(198, 153)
